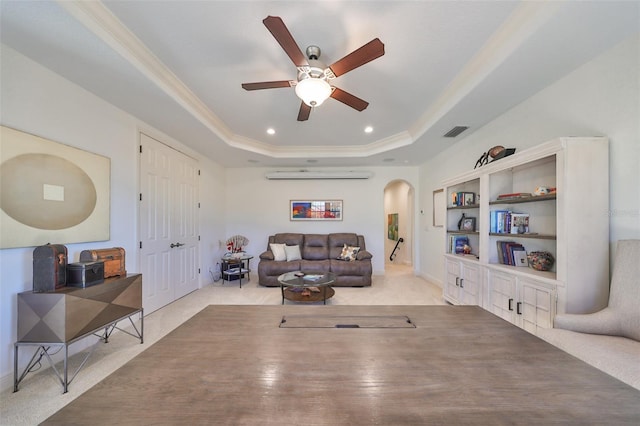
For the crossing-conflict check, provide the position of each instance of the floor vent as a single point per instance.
(351, 321)
(455, 131)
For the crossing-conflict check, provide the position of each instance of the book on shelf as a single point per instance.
(509, 251)
(514, 195)
(520, 258)
(498, 220)
(519, 223)
(457, 243)
(508, 222)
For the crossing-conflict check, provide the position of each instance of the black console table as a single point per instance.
(59, 318)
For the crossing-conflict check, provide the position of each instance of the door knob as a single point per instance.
(176, 245)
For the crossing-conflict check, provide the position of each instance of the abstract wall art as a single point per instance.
(51, 192)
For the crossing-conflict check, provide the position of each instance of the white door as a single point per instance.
(168, 224)
(185, 226)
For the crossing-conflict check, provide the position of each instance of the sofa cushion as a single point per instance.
(278, 251)
(363, 255)
(357, 268)
(292, 252)
(289, 238)
(274, 269)
(349, 253)
(266, 255)
(316, 247)
(315, 265)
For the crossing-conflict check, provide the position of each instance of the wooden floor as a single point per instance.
(459, 365)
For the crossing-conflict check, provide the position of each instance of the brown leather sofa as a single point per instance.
(319, 253)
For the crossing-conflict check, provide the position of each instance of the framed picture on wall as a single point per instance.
(51, 192)
(315, 210)
(392, 226)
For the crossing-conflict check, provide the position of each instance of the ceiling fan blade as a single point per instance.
(266, 85)
(279, 30)
(305, 110)
(348, 99)
(367, 53)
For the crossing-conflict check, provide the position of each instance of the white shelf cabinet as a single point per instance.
(463, 283)
(521, 300)
(572, 224)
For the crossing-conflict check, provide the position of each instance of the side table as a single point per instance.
(236, 267)
(58, 319)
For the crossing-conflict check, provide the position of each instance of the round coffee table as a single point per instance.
(299, 286)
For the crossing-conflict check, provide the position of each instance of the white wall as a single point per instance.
(257, 207)
(601, 98)
(40, 102)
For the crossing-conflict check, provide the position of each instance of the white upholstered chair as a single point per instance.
(622, 315)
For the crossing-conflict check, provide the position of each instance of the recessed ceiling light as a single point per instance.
(271, 131)
(368, 129)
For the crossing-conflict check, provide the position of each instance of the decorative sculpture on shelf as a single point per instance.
(460, 222)
(496, 153)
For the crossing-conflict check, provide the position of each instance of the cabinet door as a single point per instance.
(502, 295)
(536, 309)
(452, 284)
(469, 284)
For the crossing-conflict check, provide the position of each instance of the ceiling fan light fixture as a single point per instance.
(313, 91)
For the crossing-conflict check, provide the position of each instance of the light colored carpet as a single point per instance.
(40, 394)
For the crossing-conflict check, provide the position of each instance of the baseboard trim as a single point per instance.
(431, 278)
(6, 382)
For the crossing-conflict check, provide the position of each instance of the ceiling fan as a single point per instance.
(312, 84)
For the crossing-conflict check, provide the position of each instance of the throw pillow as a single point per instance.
(278, 251)
(349, 253)
(292, 252)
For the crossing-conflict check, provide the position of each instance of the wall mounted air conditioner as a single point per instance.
(307, 174)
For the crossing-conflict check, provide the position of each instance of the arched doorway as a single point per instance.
(399, 222)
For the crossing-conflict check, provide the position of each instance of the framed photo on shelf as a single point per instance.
(468, 224)
(315, 210)
(469, 199)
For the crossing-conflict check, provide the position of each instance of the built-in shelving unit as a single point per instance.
(570, 223)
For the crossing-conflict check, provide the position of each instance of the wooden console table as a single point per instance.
(60, 318)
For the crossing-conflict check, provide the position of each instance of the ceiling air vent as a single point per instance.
(455, 131)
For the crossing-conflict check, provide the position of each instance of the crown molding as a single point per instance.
(527, 17)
